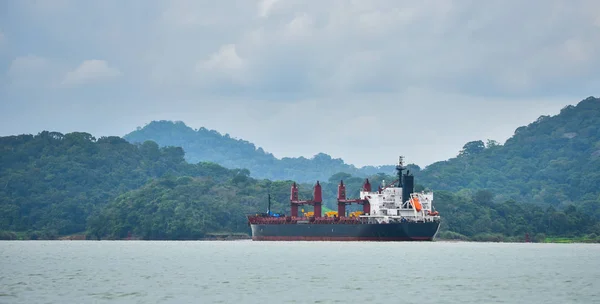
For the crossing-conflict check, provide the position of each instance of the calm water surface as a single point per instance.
(297, 272)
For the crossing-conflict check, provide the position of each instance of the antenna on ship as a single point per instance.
(400, 167)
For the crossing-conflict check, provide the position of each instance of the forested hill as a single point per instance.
(554, 160)
(51, 183)
(54, 184)
(209, 145)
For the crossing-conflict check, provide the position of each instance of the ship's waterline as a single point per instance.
(346, 232)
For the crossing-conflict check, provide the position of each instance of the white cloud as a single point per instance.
(466, 47)
(90, 71)
(300, 25)
(226, 58)
(223, 65)
(265, 7)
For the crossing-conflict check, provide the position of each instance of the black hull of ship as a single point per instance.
(394, 232)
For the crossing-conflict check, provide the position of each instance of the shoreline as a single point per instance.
(248, 238)
(224, 236)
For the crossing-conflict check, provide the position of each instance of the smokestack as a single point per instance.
(407, 186)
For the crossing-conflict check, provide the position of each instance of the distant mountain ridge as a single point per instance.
(55, 184)
(210, 145)
(554, 160)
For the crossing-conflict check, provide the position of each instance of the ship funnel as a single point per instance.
(407, 186)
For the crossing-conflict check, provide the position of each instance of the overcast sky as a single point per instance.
(364, 81)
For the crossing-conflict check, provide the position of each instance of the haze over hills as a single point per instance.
(538, 152)
(554, 160)
(210, 145)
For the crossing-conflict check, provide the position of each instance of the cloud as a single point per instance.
(337, 75)
(466, 47)
(31, 71)
(265, 7)
(225, 65)
(90, 71)
(296, 47)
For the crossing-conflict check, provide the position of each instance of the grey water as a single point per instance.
(297, 272)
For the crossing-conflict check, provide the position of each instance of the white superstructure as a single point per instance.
(387, 204)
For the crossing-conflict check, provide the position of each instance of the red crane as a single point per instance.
(315, 202)
(342, 201)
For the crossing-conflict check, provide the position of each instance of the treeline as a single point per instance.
(188, 208)
(179, 208)
(54, 184)
(555, 160)
(51, 183)
(475, 216)
(552, 161)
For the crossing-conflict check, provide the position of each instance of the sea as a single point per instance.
(297, 272)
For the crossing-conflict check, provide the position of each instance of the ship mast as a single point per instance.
(400, 167)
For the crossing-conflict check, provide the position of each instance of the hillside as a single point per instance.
(554, 160)
(51, 183)
(178, 208)
(212, 146)
(188, 208)
(54, 184)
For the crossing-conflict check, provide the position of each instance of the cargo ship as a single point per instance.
(394, 212)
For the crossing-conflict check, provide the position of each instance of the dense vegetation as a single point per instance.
(52, 182)
(553, 161)
(475, 216)
(188, 208)
(211, 146)
(543, 182)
